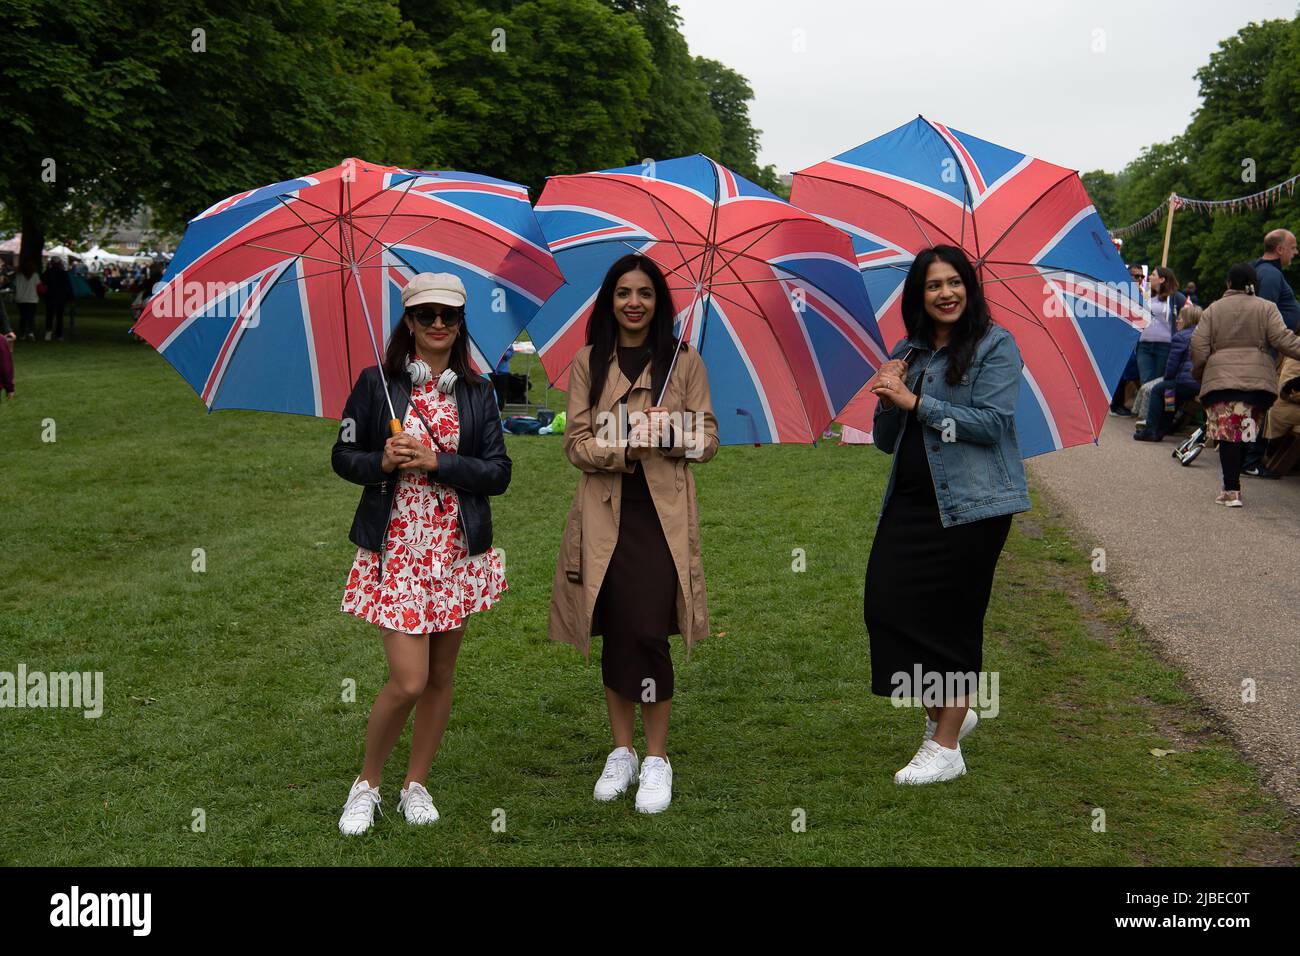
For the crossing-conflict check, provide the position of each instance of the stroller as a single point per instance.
(1190, 448)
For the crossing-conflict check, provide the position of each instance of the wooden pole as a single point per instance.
(1169, 229)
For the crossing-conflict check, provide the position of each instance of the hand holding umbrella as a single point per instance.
(894, 370)
(892, 391)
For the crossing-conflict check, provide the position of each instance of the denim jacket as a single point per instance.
(978, 473)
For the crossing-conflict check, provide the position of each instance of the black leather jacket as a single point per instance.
(479, 469)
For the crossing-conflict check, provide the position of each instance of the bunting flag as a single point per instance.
(1260, 200)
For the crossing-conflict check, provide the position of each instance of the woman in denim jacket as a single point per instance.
(947, 403)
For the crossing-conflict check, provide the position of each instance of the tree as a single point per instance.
(729, 97)
(541, 88)
(679, 118)
(1240, 141)
(1102, 190)
(183, 103)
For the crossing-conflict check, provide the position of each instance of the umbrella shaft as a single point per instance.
(370, 331)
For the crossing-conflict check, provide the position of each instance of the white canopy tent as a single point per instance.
(97, 258)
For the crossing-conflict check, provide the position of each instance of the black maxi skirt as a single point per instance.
(927, 586)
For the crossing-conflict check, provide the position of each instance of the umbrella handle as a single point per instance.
(394, 426)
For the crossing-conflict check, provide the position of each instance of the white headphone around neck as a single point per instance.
(421, 375)
(419, 371)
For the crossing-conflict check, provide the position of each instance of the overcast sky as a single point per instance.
(1021, 73)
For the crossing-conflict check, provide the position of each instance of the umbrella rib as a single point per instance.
(794, 380)
(289, 252)
(343, 295)
(1077, 272)
(706, 266)
(966, 193)
(623, 182)
(309, 225)
(388, 247)
(339, 267)
(300, 219)
(409, 183)
(1052, 338)
(654, 203)
(793, 275)
(738, 282)
(365, 308)
(694, 281)
(762, 315)
(722, 243)
(741, 305)
(890, 199)
(707, 253)
(770, 229)
(1025, 275)
(1030, 208)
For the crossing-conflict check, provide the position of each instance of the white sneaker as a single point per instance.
(967, 725)
(48, 336)
(655, 790)
(620, 770)
(416, 804)
(932, 764)
(359, 811)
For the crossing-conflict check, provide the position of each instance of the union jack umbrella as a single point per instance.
(1048, 268)
(279, 297)
(768, 294)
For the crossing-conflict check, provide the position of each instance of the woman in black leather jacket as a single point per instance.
(423, 528)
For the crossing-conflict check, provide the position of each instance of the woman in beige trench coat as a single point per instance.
(629, 565)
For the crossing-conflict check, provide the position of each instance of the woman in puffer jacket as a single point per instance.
(1178, 380)
(1238, 375)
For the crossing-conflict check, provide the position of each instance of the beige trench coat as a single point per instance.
(591, 531)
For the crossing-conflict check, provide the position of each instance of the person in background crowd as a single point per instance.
(1130, 373)
(58, 290)
(27, 297)
(1238, 380)
(1189, 291)
(501, 376)
(1178, 379)
(1279, 250)
(7, 339)
(1163, 303)
(1284, 416)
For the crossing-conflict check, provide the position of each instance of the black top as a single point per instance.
(631, 360)
(912, 480)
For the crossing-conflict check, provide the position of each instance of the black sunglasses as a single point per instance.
(451, 317)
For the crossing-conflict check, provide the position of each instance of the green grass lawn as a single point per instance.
(223, 689)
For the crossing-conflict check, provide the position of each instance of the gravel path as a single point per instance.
(1215, 587)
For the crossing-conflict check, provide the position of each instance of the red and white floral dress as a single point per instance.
(430, 582)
